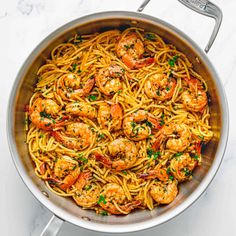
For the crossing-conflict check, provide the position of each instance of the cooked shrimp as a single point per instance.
(77, 136)
(182, 167)
(164, 193)
(159, 173)
(130, 49)
(87, 194)
(110, 116)
(109, 79)
(113, 200)
(195, 98)
(70, 179)
(177, 136)
(81, 110)
(122, 154)
(42, 112)
(160, 87)
(66, 170)
(63, 166)
(140, 125)
(69, 87)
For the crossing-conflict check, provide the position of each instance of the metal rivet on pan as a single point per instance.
(85, 218)
(45, 193)
(197, 60)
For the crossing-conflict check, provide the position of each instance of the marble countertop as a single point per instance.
(24, 23)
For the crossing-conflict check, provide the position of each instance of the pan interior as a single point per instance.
(24, 90)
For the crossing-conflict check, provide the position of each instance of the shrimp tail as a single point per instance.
(60, 138)
(64, 118)
(85, 90)
(152, 174)
(56, 135)
(136, 64)
(82, 180)
(156, 145)
(53, 180)
(70, 179)
(136, 203)
(144, 175)
(155, 123)
(42, 168)
(62, 121)
(116, 113)
(89, 85)
(193, 83)
(144, 62)
(130, 206)
(105, 161)
(199, 147)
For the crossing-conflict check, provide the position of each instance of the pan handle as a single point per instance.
(52, 227)
(203, 7)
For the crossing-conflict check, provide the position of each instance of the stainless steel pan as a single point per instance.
(65, 209)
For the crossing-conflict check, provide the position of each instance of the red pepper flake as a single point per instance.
(198, 147)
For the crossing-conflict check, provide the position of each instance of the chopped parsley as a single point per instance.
(74, 66)
(104, 213)
(133, 124)
(45, 114)
(173, 60)
(162, 122)
(167, 89)
(83, 159)
(148, 123)
(101, 136)
(196, 157)
(129, 46)
(171, 177)
(74, 167)
(79, 38)
(102, 199)
(201, 137)
(151, 153)
(92, 97)
(168, 171)
(158, 92)
(187, 172)
(124, 172)
(150, 37)
(87, 187)
(178, 154)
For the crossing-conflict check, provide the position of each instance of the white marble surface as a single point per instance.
(24, 23)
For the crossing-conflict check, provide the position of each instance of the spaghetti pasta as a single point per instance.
(117, 120)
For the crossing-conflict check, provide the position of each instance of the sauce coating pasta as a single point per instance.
(117, 120)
